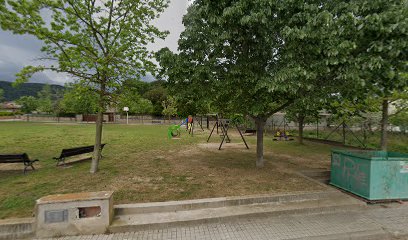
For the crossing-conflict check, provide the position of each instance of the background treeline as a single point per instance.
(11, 93)
(140, 97)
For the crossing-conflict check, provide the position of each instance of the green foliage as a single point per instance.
(79, 99)
(191, 98)
(6, 114)
(344, 108)
(256, 57)
(400, 120)
(157, 94)
(44, 100)
(400, 116)
(169, 107)
(144, 106)
(28, 104)
(1, 95)
(131, 98)
(305, 110)
(381, 44)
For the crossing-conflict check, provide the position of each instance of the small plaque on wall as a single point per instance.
(56, 216)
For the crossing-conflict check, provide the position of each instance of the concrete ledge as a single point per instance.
(206, 216)
(155, 207)
(73, 214)
(229, 209)
(16, 228)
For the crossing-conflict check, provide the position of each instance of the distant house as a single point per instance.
(9, 107)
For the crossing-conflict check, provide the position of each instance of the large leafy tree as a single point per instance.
(28, 104)
(169, 107)
(79, 100)
(256, 57)
(305, 111)
(190, 97)
(380, 35)
(100, 43)
(45, 101)
(157, 94)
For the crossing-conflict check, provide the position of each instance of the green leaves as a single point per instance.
(26, 74)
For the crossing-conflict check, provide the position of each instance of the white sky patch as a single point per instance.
(170, 20)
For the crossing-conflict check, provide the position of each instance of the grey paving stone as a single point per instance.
(350, 225)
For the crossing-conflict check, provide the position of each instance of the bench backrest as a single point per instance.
(77, 151)
(14, 158)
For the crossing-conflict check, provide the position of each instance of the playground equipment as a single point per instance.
(173, 131)
(282, 134)
(224, 125)
(285, 134)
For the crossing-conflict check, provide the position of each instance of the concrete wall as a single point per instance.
(73, 214)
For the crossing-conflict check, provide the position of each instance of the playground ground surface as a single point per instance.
(141, 165)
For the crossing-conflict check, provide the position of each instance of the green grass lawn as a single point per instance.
(140, 164)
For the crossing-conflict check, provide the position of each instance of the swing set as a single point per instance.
(224, 125)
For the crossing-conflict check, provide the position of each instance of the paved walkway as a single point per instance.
(376, 221)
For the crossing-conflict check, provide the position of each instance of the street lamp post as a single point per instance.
(126, 109)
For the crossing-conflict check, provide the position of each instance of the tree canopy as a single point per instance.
(256, 57)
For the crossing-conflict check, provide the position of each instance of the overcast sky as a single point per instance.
(17, 51)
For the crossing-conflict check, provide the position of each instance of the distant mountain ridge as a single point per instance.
(26, 89)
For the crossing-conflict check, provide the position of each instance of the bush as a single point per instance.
(70, 115)
(6, 114)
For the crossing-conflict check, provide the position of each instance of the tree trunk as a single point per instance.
(260, 124)
(98, 136)
(384, 125)
(300, 122)
(98, 140)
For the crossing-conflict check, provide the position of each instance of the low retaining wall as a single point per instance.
(73, 214)
(16, 228)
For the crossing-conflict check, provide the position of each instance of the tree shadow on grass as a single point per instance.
(12, 172)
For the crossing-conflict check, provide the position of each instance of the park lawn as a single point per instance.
(140, 164)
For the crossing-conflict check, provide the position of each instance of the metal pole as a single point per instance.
(127, 117)
(344, 133)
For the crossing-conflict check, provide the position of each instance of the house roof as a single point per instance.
(9, 105)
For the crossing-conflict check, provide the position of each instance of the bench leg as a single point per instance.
(60, 160)
(28, 165)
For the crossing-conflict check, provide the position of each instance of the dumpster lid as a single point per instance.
(374, 155)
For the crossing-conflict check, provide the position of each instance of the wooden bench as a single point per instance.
(70, 152)
(17, 158)
(156, 121)
(250, 131)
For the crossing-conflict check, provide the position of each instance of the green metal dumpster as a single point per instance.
(374, 175)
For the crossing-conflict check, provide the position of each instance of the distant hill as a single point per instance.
(25, 89)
